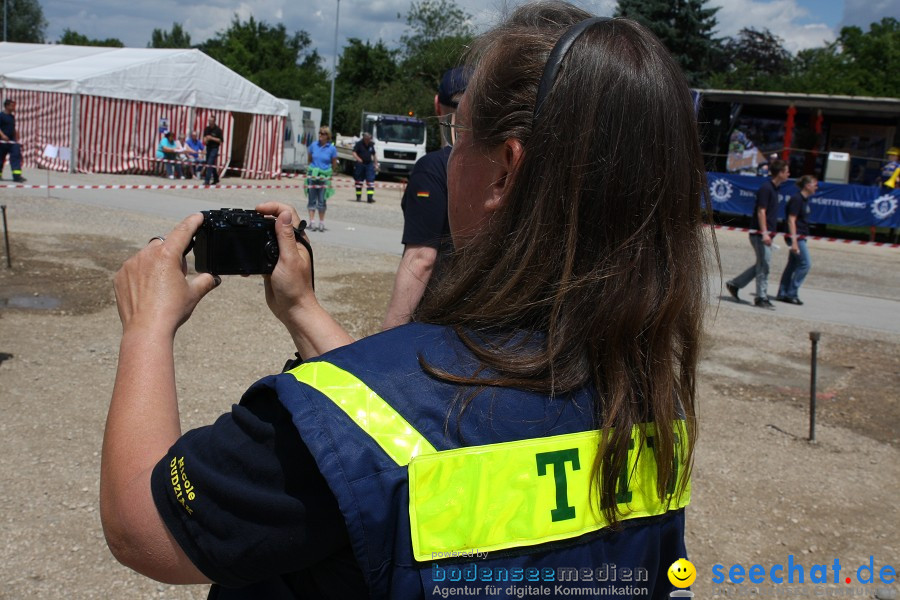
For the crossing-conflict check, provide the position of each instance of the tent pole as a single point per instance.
(192, 116)
(73, 133)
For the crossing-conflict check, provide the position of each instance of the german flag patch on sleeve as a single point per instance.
(423, 194)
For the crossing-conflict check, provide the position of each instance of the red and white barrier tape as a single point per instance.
(295, 187)
(817, 238)
(199, 166)
(221, 168)
(25, 186)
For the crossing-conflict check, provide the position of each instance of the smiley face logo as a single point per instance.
(682, 573)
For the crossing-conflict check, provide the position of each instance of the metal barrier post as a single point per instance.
(814, 337)
(6, 238)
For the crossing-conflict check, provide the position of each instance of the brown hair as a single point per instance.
(599, 244)
(776, 167)
(805, 181)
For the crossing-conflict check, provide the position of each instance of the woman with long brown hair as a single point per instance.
(534, 425)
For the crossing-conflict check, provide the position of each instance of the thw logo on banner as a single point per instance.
(721, 190)
(884, 207)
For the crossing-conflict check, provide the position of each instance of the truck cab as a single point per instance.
(399, 142)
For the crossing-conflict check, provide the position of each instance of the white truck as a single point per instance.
(301, 128)
(399, 142)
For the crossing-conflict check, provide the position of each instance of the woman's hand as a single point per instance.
(289, 287)
(289, 292)
(151, 288)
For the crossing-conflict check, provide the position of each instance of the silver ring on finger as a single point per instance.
(157, 237)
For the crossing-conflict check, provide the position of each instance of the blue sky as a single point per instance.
(801, 23)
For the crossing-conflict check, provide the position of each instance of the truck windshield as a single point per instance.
(410, 132)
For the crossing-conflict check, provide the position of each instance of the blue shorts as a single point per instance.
(364, 171)
(316, 198)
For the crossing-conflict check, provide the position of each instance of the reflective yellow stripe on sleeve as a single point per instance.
(508, 495)
(366, 408)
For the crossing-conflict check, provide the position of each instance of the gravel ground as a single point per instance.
(761, 491)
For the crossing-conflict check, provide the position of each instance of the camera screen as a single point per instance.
(241, 247)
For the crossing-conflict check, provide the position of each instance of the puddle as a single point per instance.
(38, 302)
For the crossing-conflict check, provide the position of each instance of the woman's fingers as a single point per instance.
(151, 286)
(287, 243)
(180, 237)
(276, 208)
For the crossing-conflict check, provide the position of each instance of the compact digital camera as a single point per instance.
(234, 241)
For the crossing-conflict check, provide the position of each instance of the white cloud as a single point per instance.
(785, 18)
(372, 20)
(863, 13)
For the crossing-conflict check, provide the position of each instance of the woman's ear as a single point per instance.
(506, 160)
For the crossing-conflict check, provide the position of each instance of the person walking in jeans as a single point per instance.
(766, 218)
(798, 264)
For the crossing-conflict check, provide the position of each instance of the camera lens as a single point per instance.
(272, 250)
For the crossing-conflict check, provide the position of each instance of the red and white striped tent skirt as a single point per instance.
(121, 136)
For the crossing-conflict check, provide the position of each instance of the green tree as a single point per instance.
(439, 32)
(281, 63)
(762, 49)
(857, 63)
(753, 60)
(25, 21)
(365, 65)
(371, 77)
(363, 71)
(177, 38)
(685, 27)
(73, 38)
(432, 20)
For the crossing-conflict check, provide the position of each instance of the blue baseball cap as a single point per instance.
(453, 82)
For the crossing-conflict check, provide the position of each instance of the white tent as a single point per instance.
(108, 105)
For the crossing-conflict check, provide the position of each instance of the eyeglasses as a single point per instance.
(449, 127)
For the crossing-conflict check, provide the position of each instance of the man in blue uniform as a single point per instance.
(765, 217)
(426, 230)
(366, 165)
(9, 141)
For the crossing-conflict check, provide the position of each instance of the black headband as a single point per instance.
(556, 57)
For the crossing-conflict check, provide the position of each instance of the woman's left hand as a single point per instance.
(152, 290)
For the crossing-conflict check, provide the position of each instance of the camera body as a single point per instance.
(234, 241)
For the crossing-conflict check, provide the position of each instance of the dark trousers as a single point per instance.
(365, 171)
(211, 155)
(14, 150)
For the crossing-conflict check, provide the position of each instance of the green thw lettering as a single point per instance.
(559, 459)
(670, 488)
(623, 494)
